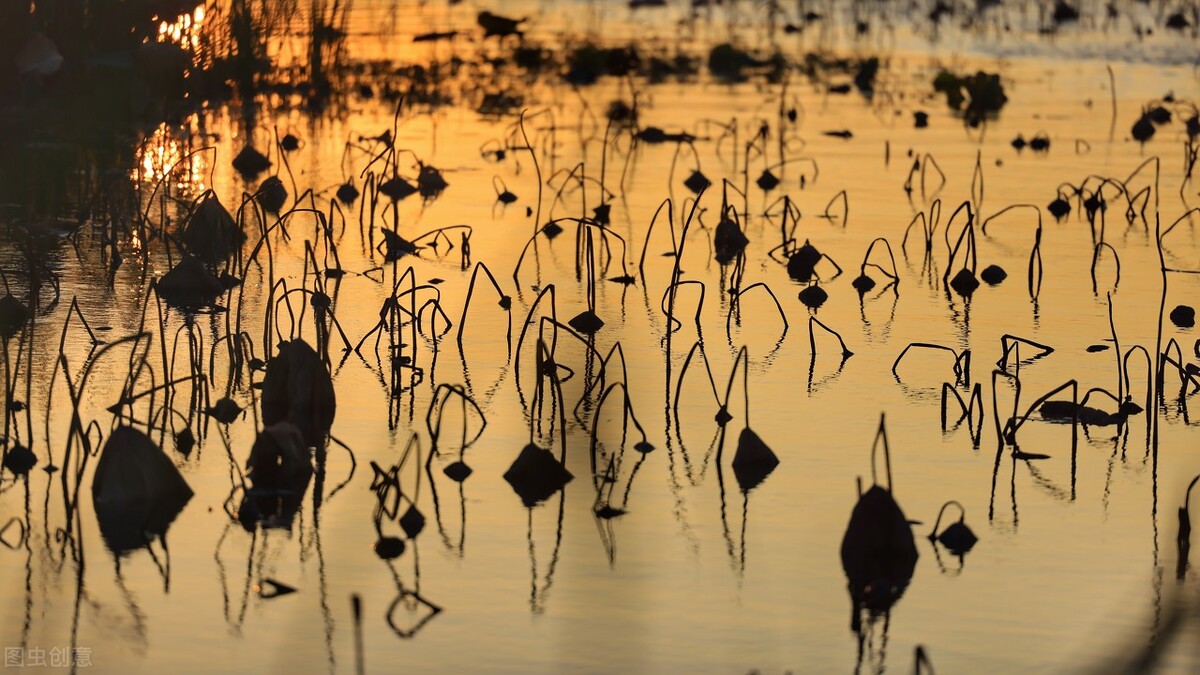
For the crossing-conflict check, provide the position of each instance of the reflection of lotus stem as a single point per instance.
(437, 407)
(881, 434)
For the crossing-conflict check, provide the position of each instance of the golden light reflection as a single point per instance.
(167, 155)
(184, 30)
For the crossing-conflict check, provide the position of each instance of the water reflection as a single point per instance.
(428, 159)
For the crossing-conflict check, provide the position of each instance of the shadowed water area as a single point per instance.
(600, 336)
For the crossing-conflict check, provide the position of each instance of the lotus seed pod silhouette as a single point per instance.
(250, 162)
(753, 461)
(297, 387)
(136, 491)
(189, 285)
(536, 474)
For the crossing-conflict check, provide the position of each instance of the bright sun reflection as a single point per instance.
(166, 151)
(184, 30)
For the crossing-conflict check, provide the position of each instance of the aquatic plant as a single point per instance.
(976, 97)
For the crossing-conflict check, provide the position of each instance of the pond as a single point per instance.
(614, 357)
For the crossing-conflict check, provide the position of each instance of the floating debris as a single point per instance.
(435, 36)
(1177, 21)
(608, 512)
(39, 56)
(1159, 115)
(863, 283)
(728, 63)
(1064, 12)
(866, 74)
(655, 135)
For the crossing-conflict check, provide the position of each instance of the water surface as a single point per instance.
(1076, 564)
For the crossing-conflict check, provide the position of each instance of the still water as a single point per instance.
(1076, 564)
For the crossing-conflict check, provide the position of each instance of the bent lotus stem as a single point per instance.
(967, 235)
(962, 516)
(670, 206)
(894, 275)
(962, 362)
(736, 305)
(812, 340)
(845, 199)
(687, 361)
(627, 415)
